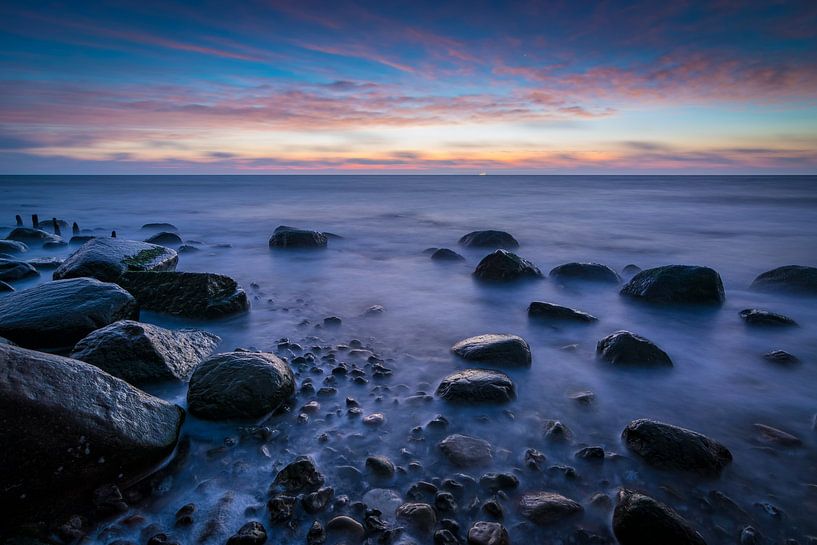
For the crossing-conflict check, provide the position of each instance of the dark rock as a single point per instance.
(380, 466)
(188, 249)
(53, 225)
(669, 447)
(12, 247)
(299, 476)
(631, 270)
(534, 459)
(445, 502)
(750, 536)
(141, 353)
(549, 311)
(754, 316)
(545, 508)
(46, 263)
(676, 284)
(67, 427)
(11, 270)
(332, 321)
(444, 254)
(346, 526)
(499, 481)
(625, 348)
(164, 238)
(252, 533)
(504, 266)
(107, 258)
(781, 356)
(793, 279)
(79, 240)
(58, 314)
(641, 520)
(774, 436)
(374, 310)
(159, 227)
(281, 508)
(591, 454)
(489, 239)
(31, 236)
(5, 287)
(466, 451)
(290, 237)
(488, 533)
(316, 534)
(509, 350)
(239, 385)
(477, 386)
(589, 272)
(315, 502)
(556, 431)
(190, 294)
(418, 516)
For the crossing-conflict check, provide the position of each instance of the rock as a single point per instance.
(444, 254)
(588, 272)
(5, 287)
(545, 508)
(380, 466)
(299, 476)
(140, 353)
(315, 502)
(190, 294)
(676, 284)
(58, 314)
(188, 249)
(159, 227)
(281, 508)
(556, 431)
(488, 533)
(107, 258)
(346, 526)
(477, 386)
(781, 356)
(11, 270)
(67, 427)
(631, 270)
(332, 321)
(508, 350)
(374, 310)
(625, 348)
(466, 451)
(165, 238)
(29, 235)
(494, 482)
(489, 239)
(316, 534)
(670, 447)
(591, 454)
(792, 279)
(12, 247)
(774, 436)
(252, 533)
(754, 316)
(503, 266)
(46, 263)
(239, 385)
(290, 237)
(418, 516)
(641, 520)
(549, 311)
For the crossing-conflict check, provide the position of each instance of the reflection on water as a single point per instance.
(720, 384)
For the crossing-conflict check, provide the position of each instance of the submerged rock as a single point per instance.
(11, 270)
(774, 436)
(466, 451)
(793, 279)
(444, 254)
(641, 520)
(190, 294)
(550, 311)
(140, 353)
(477, 386)
(252, 533)
(676, 284)
(754, 316)
(488, 533)
(589, 272)
(107, 258)
(626, 348)
(489, 239)
(418, 516)
(58, 314)
(67, 427)
(545, 508)
(30, 235)
(239, 385)
(164, 238)
(12, 247)
(159, 227)
(290, 237)
(631, 270)
(781, 356)
(299, 476)
(673, 448)
(510, 350)
(504, 266)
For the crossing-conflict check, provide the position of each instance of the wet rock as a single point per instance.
(477, 386)
(281, 508)
(670, 447)
(316, 534)
(252, 533)
(591, 454)
(380, 466)
(444, 254)
(332, 321)
(11, 270)
(58, 314)
(466, 451)
(189, 294)
(141, 353)
(792, 279)
(164, 238)
(67, 427)
(46, 263)
(239, 385)
(315, 502)
(488, 533)
(12, 247)
(549, 311)
(374, 419)
(188, 249)
(631, 270)
(754, 316)
(445, 502)
(585, 398)
(750, 536)
(299, 476)
(31, 236)
(534, 459)
(504, 266)
(545, 508)
(290, 237)
(676, 284)
(489, 239)
(346, 526)
(107, 258)
(641, 520)
(374, 310)
(626, 348)
(499, 481)
(53, 225)
(159, 227)
(777, 437)
(781, 356)
(418, 516)
(588, 272)
(556, 431)
(510, 350)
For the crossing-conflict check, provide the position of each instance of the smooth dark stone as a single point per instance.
(504, 266)
(290, 237)
(684, 284)
(107, 258)
(11, 270)
(489, 239)
(488, 533)
(13, 247)
(477, 386)
(163, 238)
(444, 254)
(781, 356)
(252, 533)
(502, 349)
(626, 348)
(552, 312)
(30, 236)
(792, 279)
(544, 508)
(159, 227)
(776, 437)
(420, 517)
(466, 451)
(641, 520)
(758, 317)
(588, 272)
(5, 288)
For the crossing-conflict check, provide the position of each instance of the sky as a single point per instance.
(266, 86)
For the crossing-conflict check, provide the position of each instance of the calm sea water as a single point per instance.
(720, 385)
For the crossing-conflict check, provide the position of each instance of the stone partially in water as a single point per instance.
(252, 533)
(290, 237)
(159, 227)
(477, 386)
(300, 476)
(418, 516)
(551, 312)
(626, 348)
(11, 270)
(444, 254)
(781, 356)
(12, 247)
(506, 350)
(588, 272)
(792, 279)
(489, 239)
(5, 287)
(164, 238)
(488, 533)
(504, 266)
(681, 284)
(107, 258)
(777, 437)
(754, 316)
(641, 520)
(466, 451)
(545, 508)
(30, 236)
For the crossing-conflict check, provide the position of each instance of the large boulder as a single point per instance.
(12, 247)
(290, 237)
(68, 427)
(589, 272)
(670, 447)
(141, 353)
(508, 350)
(477, 386)
(551, 312)
(239, 385)
(190, 294)
(11, 270)
(489, 239)
(466, 451)
(640, 520)
(626, 348)
(676, 284)
(545, 508)
(793, 279)
(107, 258)
(504, 266)
(60, 313)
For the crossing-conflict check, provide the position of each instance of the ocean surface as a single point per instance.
(720, 384)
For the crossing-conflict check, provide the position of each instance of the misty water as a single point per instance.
(720, 384)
